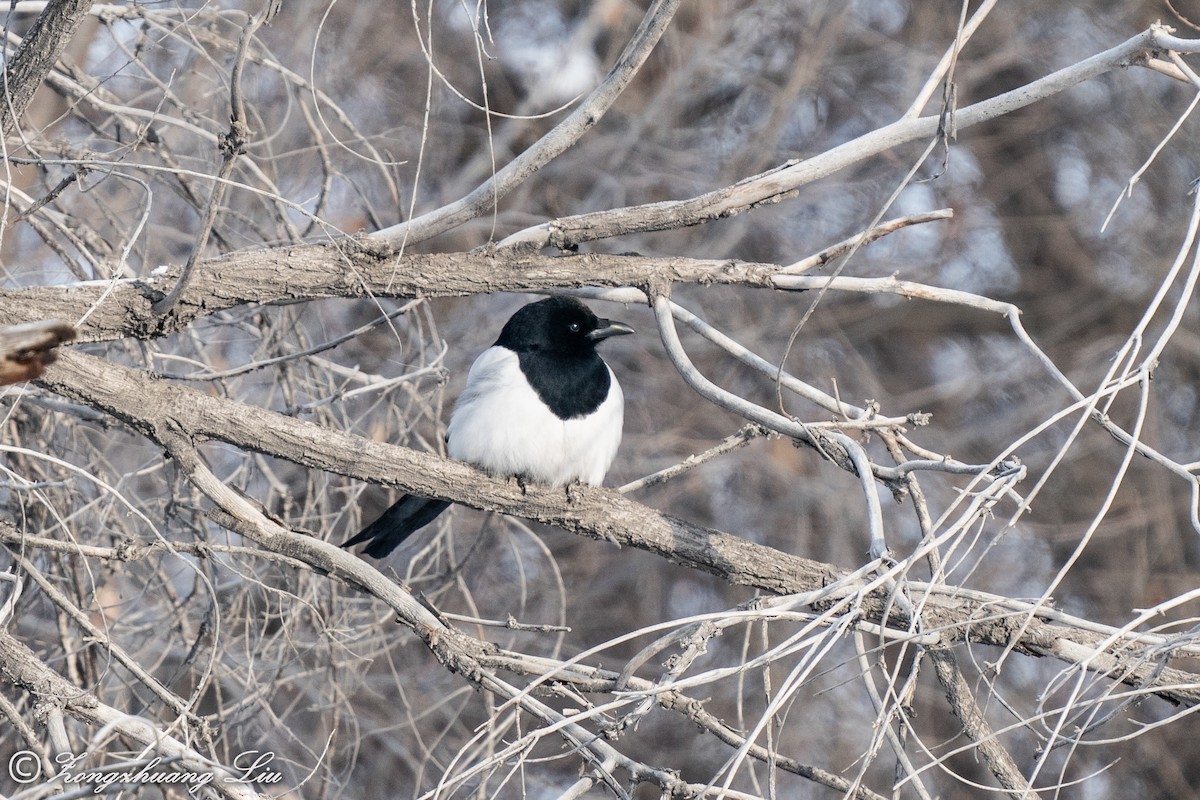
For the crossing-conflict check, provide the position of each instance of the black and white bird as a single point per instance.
(540, 404)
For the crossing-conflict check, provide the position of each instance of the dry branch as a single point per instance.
(21, 668)
(33, 61)
(163, 411)
(123, 308)
(783, 181)
(485, 197)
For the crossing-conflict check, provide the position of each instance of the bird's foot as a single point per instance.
(572, 491)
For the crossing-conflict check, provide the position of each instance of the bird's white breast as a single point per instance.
(501, 425)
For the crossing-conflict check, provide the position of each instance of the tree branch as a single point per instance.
(782, 182)
(20, 667)
(161, 411)
(558, 139)
(41, 48)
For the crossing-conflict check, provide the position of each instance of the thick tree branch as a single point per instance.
(42, 46)
(162, 411)
(123, 308)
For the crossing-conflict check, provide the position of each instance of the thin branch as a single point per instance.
(783, 181)
(232, 146)
(866, 237)
(21, 667)
(558, 139)
(975, 724)
(735, 441)
(732, 402)
(168, 698)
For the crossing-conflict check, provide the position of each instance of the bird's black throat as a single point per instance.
(572, 385)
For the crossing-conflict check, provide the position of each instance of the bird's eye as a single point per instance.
(574, 326)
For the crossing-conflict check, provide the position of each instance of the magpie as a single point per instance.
(540, 404)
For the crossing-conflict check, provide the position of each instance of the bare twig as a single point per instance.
(743, 437)
(975, 724)
(783, 181)
(21, 667)
(558, 139)
(232, 147)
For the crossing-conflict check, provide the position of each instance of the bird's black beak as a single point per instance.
(609, 328)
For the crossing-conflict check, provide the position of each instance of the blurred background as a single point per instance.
(365, 114)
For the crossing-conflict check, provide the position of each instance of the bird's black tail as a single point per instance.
(409, 514)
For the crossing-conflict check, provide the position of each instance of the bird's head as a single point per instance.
(559, 325)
